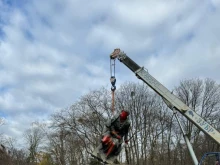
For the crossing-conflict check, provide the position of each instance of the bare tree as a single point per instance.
(155, 137)
(203, 96)
(82, 124)
(33, 137)
(2, 121)
(149, 122)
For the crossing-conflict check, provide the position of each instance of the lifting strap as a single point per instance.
(113, 81)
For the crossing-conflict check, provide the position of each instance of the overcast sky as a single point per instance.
(52, 51)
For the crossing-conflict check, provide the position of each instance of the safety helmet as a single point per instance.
(123, 115)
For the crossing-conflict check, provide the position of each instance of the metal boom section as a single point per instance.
(170, 99)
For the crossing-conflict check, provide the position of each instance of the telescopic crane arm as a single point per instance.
(171, 100)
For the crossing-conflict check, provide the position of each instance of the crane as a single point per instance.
(173, 102)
